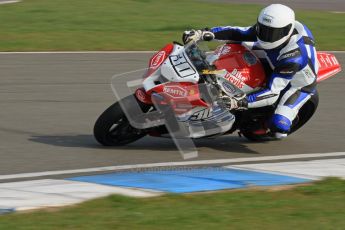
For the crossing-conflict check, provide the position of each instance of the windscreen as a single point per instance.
(197, 55)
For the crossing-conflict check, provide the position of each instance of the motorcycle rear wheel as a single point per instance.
(304, 115)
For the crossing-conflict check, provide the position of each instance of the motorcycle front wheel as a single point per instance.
(112, 128)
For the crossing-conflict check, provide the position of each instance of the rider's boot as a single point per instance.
(280, 135)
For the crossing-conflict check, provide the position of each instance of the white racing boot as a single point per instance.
(280, 135)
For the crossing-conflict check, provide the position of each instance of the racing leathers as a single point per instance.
(293, 72)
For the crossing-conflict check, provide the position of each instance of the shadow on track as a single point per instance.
(80, 141)
(225, 144)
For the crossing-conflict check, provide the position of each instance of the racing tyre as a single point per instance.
(306, 112)
(255, 137)
(303, 116)
(112, 128)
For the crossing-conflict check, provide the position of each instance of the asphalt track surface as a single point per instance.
(49, 103)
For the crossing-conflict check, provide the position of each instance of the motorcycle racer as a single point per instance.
(286, 48)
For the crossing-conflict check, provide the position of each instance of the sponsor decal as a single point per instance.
(207, 71)
(265, 97)
(181, 66)
(202, 114)
(323, 60)
(229, 87)
(237, 74)
(308, 73)
(223, 50)
(236, 78)
(328, 60)
(286, 71)
(283, 122)
(157, 59)
(291, 54)
(335, 61)
(267, 18)
(142, 96)
(175, 91)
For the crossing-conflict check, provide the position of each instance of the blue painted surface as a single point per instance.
(6, 210)
(193, 180)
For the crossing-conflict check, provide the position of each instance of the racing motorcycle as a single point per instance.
(183, 87)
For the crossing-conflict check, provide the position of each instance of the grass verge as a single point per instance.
(48, 25)
(317, 206)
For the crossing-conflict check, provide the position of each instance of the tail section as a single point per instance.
(328, 66)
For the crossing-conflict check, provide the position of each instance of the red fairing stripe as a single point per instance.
(158, 58)
(179, 94)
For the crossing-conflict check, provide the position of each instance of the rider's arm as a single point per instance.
(234, 33)
(279, 80)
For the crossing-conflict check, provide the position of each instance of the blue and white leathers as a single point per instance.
(294, 71)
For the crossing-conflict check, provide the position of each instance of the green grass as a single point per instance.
(37, 25)
(318, 206)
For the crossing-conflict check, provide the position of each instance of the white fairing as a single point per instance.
(201, 121)
(149, 82)
(178, 68)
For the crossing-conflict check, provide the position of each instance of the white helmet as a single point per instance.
(275, 25)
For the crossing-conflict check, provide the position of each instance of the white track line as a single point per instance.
(28, 195)
(170, 164)
(313, 169)
(9, 1)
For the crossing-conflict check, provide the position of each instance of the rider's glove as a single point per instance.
(197, 35)
(207, 35)
(238, 102)
(191, 35)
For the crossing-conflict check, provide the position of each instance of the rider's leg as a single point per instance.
(287, 110)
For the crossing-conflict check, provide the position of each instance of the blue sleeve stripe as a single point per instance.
(297, 60)
(220, 28)
(308, 32)
(312, 56)
(304, 53)
(241, 30)
(310, 47)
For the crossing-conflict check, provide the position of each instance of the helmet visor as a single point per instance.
(270, 34)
